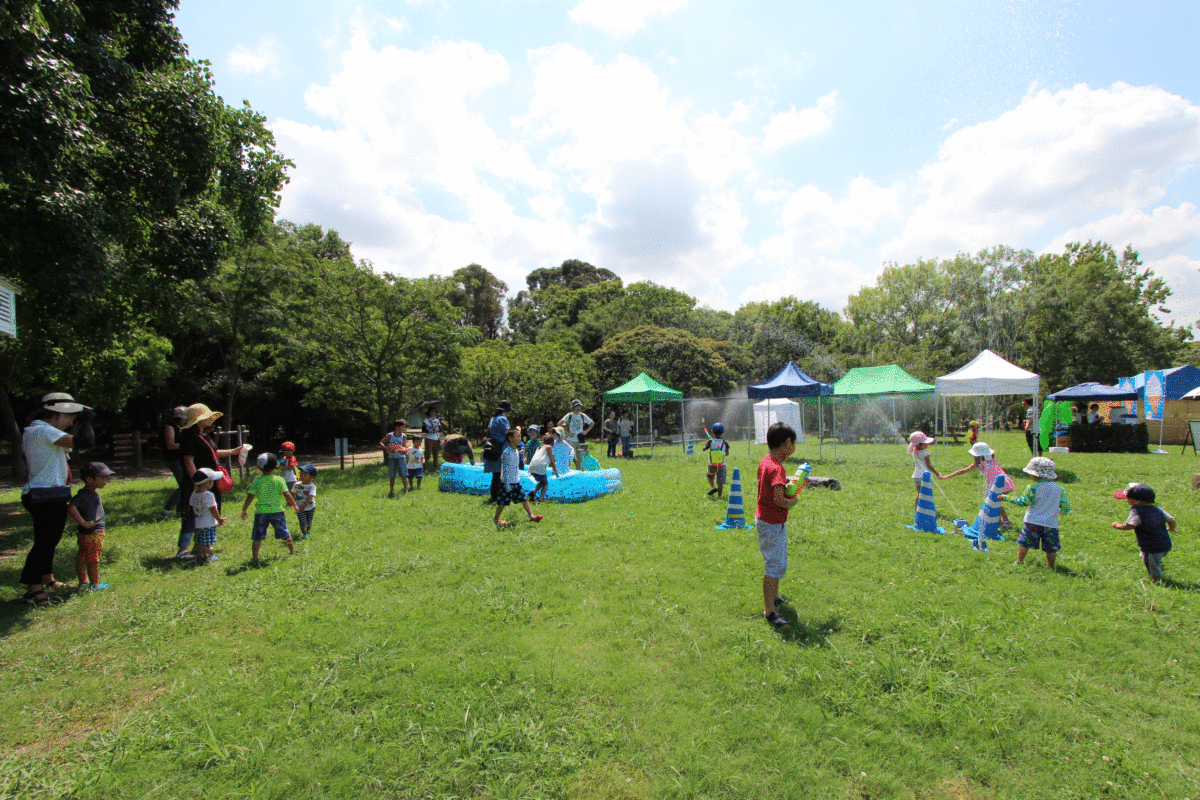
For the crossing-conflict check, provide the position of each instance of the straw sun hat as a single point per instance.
(198, 412)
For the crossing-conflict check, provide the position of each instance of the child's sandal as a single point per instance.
(775, 619)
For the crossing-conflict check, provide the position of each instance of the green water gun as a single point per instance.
(798, 480)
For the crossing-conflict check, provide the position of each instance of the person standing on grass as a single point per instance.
(542, 460)
(199, 452)
(1152, 526)
(174, 458)
(288, 463)
(625, 429)
(717, 449)
(46, 494)
(1044, 499)
(431, 426)
(918, 448)
(87, 509)
(770, 517)
(207, 513)
(393, 451)
(578, 425)
(985, 462)
(415, 462)
(612, 434)
(305, 492)
(510, 471)
(1033, 428)
(493, 445)
(268, 492)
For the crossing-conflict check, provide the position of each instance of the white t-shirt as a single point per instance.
(624, 426)
(920, 463)
(202, 503)
(47, 461)
(540, 461)
(576, 423)
(305, 494)
(415, 458)
(563, 453)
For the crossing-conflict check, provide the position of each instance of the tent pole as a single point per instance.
(652, 436)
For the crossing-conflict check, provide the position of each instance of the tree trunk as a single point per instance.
(20, 469)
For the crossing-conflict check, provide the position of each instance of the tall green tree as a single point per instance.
(788, 329)
(375, 344)
(540, 380)
(675, 357)
(480, 296)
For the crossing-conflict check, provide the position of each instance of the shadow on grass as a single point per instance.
(1187, 586)
(162, 563)
(1087, 573)
(807, 632)
(248, 566)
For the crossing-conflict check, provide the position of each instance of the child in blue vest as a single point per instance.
(717, 449)
(1152, 526)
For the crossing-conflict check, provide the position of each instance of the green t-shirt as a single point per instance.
(268, 491)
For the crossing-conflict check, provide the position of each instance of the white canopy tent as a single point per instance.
(772, 410)
(987, 374)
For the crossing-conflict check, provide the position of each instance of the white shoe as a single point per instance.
(185, 556)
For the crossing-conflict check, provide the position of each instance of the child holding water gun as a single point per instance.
(986, 463)
(717, 449)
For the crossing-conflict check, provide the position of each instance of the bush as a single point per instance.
(1104, 438)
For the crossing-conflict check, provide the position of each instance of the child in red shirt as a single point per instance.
(770, 518)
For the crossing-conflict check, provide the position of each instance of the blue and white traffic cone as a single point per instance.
(735, 514)
(691, 440)
(926, 516)
(987, 524)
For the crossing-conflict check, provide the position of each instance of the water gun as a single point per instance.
(706, 433)
(798, 480)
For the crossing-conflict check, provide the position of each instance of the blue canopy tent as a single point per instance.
(791, 382)
(1094, 391)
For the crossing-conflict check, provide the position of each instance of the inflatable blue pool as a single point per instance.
(572, 487)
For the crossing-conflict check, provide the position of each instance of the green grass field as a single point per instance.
(616, 650)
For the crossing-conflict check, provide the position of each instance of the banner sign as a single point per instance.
(1153, 395)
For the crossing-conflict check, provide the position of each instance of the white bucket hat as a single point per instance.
(1040, 467)
(61, 402)
(981, 449)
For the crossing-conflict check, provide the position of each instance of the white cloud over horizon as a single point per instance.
(607, 160)
(622, 17)
(265, 58)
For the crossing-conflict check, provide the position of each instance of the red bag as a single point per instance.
(225, 485)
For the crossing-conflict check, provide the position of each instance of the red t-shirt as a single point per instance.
(770, 474)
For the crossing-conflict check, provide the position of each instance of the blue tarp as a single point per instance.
(1097, 392)
(789, 382)
(1177, 381)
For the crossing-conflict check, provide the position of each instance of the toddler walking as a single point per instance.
(268, 492)
(1152, 526)
(510, 475)
(305, 492)
(717, 449)
(208, 514)
(1045, 499)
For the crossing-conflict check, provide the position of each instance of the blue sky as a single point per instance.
(738, 151)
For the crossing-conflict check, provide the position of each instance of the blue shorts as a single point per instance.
(772, 542)
(416, 472)
(395, 467)
(277, 520)
(540, 478)
(206, 537)
(1039, 537)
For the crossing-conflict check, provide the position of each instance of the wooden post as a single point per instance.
(137, 450)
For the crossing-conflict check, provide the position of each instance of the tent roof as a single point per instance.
(1177, 381)
(987, 374)
(642, 389)
(789, 382)
(775, 402)
(890, 379)
(1094, 391)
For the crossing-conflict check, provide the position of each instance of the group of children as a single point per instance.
(405, 458)
(1045, 500)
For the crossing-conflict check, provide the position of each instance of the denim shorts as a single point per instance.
(1039, 537)
(414, 473)
(772, 542)
(395, 467)
(277, 520)
(206, 537)
(540, 478)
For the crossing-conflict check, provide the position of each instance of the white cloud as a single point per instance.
(789, 127)
(622, 17)
(265, 59)
(1055, 161)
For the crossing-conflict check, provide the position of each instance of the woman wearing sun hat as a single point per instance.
(199, 451)
(46, 494)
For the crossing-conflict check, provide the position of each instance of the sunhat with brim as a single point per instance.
(205, 474)
(198, 412)
(61, 402)
(920, 437)
(1040, 467)
(981, 449)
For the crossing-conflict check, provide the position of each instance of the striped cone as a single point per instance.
(926, 516)
(691, 440)
(735, 515)
(987, 524)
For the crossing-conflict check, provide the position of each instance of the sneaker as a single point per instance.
(212, 559)
(186, 556)
(101, 586)
(166, 515)
(536, 518)
(711, 492)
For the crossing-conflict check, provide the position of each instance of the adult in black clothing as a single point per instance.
(173, 455)
(497, 430)
(198, 450)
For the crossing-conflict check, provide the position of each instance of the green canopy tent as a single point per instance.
(863, 384)
(642, 389)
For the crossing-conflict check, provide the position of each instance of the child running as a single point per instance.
(87, 509)
(305, 492)
(208, 514)
(770, 518)
(1045, 499)
(986, 463)
(918, 448)
(268, 493)
(542, 460)
(1152, 526)
(717, 449)
(510, 476)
